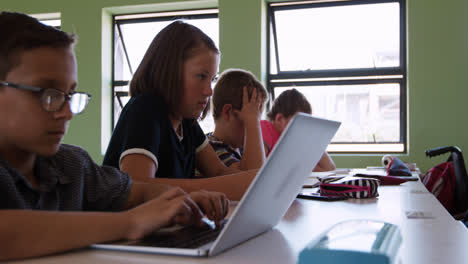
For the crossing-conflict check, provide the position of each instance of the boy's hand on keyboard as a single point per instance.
(175, 207)
(172, 207)
(214, 205)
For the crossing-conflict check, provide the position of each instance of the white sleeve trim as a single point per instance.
(139, 151)
(202, 145)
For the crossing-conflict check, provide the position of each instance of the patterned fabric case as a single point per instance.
(353, 187)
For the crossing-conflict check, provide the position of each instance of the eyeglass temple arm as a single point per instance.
(20, 86)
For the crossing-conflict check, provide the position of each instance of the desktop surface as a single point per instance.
(429, 232)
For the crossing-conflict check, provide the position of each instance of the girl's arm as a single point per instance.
(325, 163)
(142, 168)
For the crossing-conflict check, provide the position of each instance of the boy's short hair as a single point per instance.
(20, 32)
(229, 89)
(288, 103)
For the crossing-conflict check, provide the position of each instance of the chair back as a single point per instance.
(460, 185)
(461, 182)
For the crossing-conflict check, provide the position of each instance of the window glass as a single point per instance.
(339, 37)
(346, 58)
(51, 22)
(138, 36)
(369, 113)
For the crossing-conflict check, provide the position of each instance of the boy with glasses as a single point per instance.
(40, 178)
(52, 100)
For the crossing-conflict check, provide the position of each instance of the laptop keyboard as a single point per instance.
(187, 237)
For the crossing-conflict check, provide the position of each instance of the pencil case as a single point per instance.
(353, 187)
(384, 180)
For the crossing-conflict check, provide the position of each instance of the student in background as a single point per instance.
(53, 197)
(284, 108)
(238, 99)
(157, 137)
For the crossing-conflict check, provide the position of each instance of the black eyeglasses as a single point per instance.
(52, 100)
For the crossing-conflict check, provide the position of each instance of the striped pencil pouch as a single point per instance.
(353, 187)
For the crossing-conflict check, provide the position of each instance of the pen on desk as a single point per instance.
(311, 186)
(368, 175)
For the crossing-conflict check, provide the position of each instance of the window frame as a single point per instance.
(342, 76)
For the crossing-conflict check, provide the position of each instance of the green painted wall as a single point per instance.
(437, 64)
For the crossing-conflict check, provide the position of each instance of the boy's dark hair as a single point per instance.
(161, 71)
(288, 103)
(229, 89)
(20, 32)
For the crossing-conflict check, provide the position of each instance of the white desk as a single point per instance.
(436, 240)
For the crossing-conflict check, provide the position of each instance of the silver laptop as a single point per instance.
(266, 200)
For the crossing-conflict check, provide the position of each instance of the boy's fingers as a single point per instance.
(226, 206)
(223, 206)
(218, 207)
(254, 96)
(259, 97)
(184, 218)
(246, 97)
(186, 210)
(196, 211)
(172, 193)
(212, 204)
(181, 212)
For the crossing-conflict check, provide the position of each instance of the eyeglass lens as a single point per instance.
(78, 102)
(53, 100)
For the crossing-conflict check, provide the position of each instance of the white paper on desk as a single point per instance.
(373, 172)
(311, 181)
(342, 171)
(321, 174)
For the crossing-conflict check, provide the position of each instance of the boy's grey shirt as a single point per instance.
(68, 181)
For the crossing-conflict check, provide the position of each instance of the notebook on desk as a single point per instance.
(267, 199)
